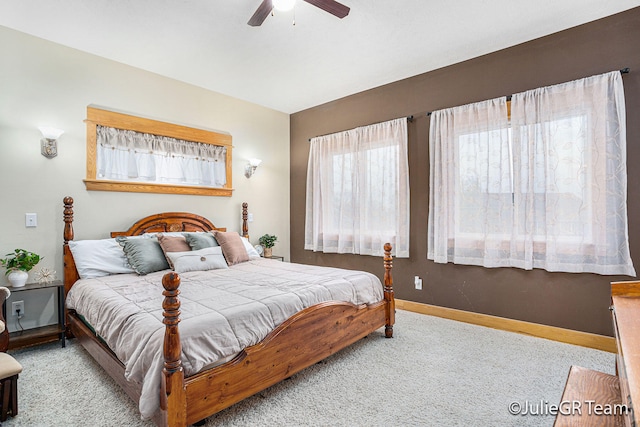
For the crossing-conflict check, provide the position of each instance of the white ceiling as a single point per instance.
(290, 68)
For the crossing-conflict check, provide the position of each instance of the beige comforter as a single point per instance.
(222, 312)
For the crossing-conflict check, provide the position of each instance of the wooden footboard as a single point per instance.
(304, 339)
(301, 341)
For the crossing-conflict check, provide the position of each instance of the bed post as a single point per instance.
(70, 272)
(390, 308)
(68, 219)
(173, 400)
(245, 226)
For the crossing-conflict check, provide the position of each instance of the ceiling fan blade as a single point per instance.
(331, 6)
(261, 13)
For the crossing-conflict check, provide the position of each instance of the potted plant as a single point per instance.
(267, 241)
(18, 263)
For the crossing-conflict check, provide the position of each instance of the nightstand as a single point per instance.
(281, 258)
(40, 334)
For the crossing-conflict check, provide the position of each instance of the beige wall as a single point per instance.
(42, 83)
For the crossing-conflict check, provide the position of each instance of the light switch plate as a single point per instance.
(31, 220)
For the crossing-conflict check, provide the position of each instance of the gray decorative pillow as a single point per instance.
(200, 260)
(144, 255)
(200, 240)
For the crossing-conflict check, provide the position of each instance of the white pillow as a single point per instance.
(97, 258)
(251, 251)
(200, 260)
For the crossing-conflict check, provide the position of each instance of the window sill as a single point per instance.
(145, 187)
(563, 248)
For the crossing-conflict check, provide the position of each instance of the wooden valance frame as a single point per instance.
(96, 116)
(304, 339)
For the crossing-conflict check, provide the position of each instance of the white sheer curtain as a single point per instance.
(358, 191)
(125, 155)
(470, 196)
(562, 204)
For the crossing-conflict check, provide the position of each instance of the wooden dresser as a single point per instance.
(610, 400)
(625, 307)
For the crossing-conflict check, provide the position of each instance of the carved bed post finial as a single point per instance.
(245, 226)
(68, 219)
(173, 399)
(388, 292)
(70, 273)
(171, 318)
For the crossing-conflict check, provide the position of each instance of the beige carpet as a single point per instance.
(434, 372)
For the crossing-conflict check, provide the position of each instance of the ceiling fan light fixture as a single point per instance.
(284, 5)
(266, 8)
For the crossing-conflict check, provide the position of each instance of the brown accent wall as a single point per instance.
(574, 301)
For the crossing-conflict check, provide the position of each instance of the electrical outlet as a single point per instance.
(250, 217)
(15, 306)
(418, 282)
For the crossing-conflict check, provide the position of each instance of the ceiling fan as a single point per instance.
(265, 8)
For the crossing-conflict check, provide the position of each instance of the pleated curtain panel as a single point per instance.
(358, 191)
(125, 155)
(546, 189)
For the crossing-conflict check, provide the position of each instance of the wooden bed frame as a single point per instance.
(301, 341)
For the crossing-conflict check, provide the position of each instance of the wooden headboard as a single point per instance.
(169, 222)
(157, 223)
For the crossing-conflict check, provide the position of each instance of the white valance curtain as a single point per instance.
(547, 190)
(358, 191)
(125, 155)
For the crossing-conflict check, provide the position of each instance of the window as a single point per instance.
(569, 191)
(544, 190)
(133, 154)
(358, 191)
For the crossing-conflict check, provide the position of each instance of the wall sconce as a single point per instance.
(49, 144)
(250, 169)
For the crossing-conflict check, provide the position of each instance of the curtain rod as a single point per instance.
(409, 119)
(625, 70)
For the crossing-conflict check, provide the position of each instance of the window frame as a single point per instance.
(97, 116)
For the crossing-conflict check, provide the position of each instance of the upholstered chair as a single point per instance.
(9, 369)
(4, 334)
